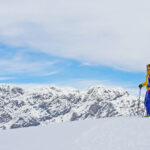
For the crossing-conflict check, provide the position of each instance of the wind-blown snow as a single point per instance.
(43, 105)
(120, 133)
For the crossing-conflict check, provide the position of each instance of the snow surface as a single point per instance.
(119, 133)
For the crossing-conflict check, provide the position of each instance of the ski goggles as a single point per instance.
(148, 67)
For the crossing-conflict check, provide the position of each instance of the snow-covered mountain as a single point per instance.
(46, 104)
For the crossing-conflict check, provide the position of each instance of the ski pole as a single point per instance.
(140, 94)
(139, 99)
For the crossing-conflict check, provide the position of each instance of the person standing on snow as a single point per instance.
(147, 96)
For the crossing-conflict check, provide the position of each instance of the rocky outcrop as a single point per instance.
(43, 105)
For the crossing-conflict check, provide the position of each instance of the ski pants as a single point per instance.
(147, 102)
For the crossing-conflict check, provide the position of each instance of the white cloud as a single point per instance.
(50, 73)
(112, 33)
(6, 78)
(21, 64)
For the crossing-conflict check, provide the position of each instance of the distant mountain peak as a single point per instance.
(21, 107)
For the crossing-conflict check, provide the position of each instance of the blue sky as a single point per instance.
(24, 66)
(74, 43)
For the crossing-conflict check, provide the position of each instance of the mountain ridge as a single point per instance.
(24, 107)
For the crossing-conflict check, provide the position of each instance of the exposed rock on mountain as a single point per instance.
(43, 105)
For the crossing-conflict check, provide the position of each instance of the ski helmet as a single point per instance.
(148, 69)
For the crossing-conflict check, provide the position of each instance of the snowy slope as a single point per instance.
(46, 104)
(119, 133)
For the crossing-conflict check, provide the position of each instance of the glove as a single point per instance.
(140, 86)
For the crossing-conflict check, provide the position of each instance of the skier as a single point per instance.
(147, 96)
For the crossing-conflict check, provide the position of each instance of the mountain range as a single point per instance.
(25, 107)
